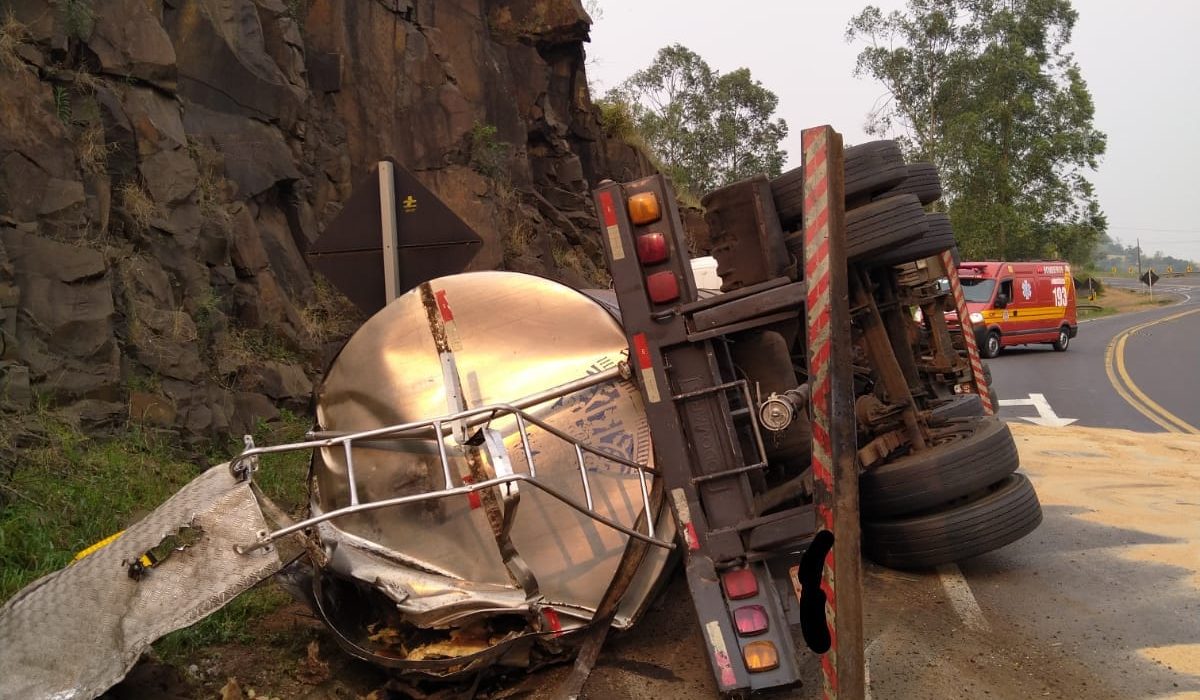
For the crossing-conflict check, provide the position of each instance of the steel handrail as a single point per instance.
(245, 463)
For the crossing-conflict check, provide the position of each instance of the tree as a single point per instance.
(987, 90)
(708, 129)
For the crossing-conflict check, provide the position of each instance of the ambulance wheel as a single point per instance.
(991, 346)
(1064, 339)
(882, 226)
(870, 168)
(998, 515)
(963, 455)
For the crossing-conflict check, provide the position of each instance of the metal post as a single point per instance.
(968, 331)
(389, 231)
(835, 471)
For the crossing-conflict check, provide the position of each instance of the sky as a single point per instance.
(1139, 60)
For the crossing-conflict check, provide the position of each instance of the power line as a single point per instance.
(1155, 230)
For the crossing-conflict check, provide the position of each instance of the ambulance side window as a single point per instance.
(1004, 296)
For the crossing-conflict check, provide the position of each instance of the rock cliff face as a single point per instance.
(165, 163)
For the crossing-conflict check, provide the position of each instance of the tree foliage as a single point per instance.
(988, 91)
(707, 128)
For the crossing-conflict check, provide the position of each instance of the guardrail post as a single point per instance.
(834, 467)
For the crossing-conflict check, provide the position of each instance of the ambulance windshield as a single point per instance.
(978, 290)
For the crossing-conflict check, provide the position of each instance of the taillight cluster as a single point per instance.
(750, 620)
(653, 247)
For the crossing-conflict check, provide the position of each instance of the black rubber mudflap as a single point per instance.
(813, 623)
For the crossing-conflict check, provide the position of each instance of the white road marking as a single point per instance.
(867, 668)
(961, 598)
(1046, 415)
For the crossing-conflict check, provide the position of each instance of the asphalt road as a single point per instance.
(1139, 371)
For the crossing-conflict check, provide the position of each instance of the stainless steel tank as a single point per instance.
(464, 342)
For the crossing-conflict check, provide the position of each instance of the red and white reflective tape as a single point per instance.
(815, 143)
(968, 332)
(645, 365)
(448, 324)
(608, 212)
(716, 641)
(685, 519)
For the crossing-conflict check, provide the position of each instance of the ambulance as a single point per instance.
(1019, 303)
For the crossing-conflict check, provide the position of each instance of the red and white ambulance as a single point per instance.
(1018, 303)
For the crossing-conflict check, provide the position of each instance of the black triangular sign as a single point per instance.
(433, 241)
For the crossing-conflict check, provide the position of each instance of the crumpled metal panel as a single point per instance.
(77, 632)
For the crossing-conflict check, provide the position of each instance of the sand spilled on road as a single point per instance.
(1148, 483)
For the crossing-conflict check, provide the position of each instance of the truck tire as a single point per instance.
(1064, 339)
(939, 237)
(922, 180)
(1004, 513)
(883, 225)
(966, 455)
(870, 168)
(960, 406)
(991, 345)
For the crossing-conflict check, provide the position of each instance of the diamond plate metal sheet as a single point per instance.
(77, 632)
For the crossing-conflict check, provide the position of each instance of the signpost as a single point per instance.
(1149, 278)
(391, 235)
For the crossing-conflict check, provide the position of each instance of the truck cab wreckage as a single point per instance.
(505, 468)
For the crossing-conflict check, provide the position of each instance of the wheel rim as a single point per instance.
(993, 344)
(951, 433)
(1063, 338)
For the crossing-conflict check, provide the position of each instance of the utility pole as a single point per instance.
(1139, 257)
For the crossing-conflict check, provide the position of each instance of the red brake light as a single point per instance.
(662, 286)
(750, 620)
(739, 583)
(652, 248)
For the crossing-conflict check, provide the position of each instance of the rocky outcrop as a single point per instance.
(164, 166)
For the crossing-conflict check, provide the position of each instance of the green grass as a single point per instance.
(486, 153)
(283, 476)
(232, 624)
(1101, 312)
(70, 491)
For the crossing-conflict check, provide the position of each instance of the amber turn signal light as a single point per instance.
(760, 656)
(644, 209)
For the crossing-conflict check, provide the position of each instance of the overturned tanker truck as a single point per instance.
(505, 468)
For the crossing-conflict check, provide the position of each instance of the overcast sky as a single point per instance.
(1140, 61)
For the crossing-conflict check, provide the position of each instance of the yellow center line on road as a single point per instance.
(1118, 376)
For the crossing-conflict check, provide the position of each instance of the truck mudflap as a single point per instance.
(77, 632)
